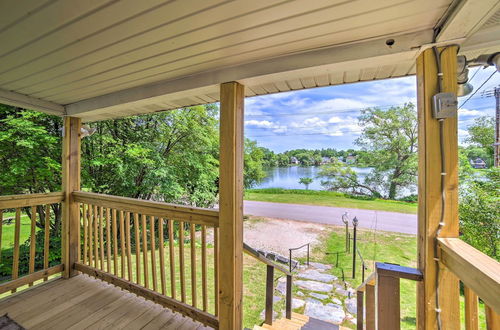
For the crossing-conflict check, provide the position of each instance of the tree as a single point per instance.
(482, 136)
(30, 154)
(169, 156)
(253, 172)
(390, 138)
(479, 212)
(306, 181)
(341, 177)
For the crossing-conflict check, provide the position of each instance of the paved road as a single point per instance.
(381, 220)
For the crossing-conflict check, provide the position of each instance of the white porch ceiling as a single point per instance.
(100, 59)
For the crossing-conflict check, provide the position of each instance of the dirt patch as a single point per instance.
(279, 235)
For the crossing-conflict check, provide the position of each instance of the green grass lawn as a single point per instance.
(383, 247)
(327, 198)
(7, 239)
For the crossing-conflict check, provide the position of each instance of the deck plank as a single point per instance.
(83, 302)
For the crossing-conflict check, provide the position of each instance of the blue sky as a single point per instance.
(327, 117)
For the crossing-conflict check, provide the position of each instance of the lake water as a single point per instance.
(288, 178)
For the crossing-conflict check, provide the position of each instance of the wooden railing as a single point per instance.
(141, 246)
(270, 284)
(480, 276)
(380, 294)
(39, 207)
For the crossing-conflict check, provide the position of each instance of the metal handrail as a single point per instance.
(297, 248)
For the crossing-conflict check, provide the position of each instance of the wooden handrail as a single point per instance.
(252, 252)
(381, 288)
(24, 200)
(209, 217)
(475, 269)
(270, 284)
(370, 280)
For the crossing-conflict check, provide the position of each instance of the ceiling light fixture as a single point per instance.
(86, 130)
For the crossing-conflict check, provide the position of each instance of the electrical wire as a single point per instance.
(443, 191)
(477, 90)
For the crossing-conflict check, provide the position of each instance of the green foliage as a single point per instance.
(30, 151)
(169, 156)
(479, 211)
(341, 177)
(253, 169)
(481, 139)
(390, 139)
(24, 253)
(306, 181)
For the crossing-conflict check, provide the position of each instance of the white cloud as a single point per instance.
(260, 123)
(469, 113)
(335, 119)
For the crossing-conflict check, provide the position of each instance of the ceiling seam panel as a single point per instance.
(91, 51)
(78, 14)
(66, 82)
(128, 74)
(200, 29)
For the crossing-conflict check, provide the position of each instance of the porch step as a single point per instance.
(299, 322)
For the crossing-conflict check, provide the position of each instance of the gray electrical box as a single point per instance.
(444, 105)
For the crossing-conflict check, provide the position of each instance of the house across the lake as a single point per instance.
(294, 160)
(477, 163)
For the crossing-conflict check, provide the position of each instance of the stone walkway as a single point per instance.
(320, 295)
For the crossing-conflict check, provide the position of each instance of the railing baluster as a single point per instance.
(1, 227)
(204, 267)
(129, 248)
(145, 251)
(101, 236)
(288, 307)
(192, 238)
(15, 257)
(471, 309)
(32, 242)
(108, 239)
(85, 232)
(269, 294)
(46, 242)
(91, 236)
(370, 307)
(172, 257)
(96, 237)
(162, 256)
(492, 318)
(216, 270)
(181, 261)
(137, 249)
(388, 303)
(115, 242)
(122, 243)
(153, 251)
(360, 309)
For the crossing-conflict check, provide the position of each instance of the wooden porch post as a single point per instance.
(70, 182)
(429, 192)
(231, 206)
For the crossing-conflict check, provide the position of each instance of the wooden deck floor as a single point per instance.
(83, 302)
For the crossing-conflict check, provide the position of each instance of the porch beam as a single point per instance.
(429, 192)
(232, 95)
(70, 183)
(466, 18)
(29, 102)
(356, 54)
